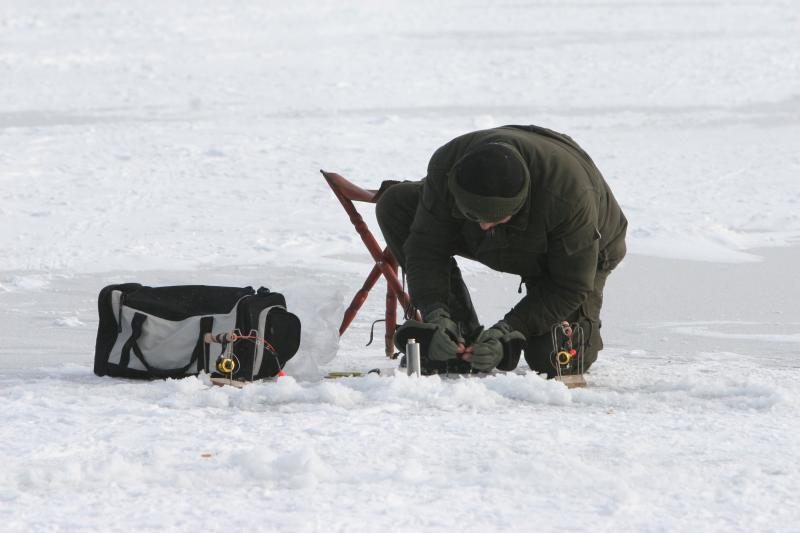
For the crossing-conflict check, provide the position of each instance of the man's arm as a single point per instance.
(428, 250)
(432, 241)
(572, 256)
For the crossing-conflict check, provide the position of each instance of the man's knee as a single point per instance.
(538, 353)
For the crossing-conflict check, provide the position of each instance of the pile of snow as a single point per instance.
(358, 451)
(320, 310)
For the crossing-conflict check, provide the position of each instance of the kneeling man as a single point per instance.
(520, 199)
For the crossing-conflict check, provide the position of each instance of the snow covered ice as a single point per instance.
(170, 143)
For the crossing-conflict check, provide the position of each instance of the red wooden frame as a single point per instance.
(385, 263)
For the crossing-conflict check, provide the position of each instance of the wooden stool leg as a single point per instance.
(390, 273)
(360, 298)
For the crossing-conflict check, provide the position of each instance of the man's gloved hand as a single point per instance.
(446, 342)
(488, 351)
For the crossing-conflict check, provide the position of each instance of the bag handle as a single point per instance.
(206, 324)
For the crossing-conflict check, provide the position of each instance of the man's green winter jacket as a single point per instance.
(570, 228)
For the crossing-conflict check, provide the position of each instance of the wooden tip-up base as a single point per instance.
(572, 381)
(221, 382)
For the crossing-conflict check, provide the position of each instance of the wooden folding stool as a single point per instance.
(385, 262)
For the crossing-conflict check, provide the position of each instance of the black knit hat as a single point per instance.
(490, 182)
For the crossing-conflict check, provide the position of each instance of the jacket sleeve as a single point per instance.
(573, 248)
(433, 237)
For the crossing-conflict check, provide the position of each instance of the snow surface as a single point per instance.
(170, 142)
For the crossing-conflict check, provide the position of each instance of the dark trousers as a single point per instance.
(395, 212)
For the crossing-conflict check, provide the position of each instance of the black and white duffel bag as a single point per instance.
(160, 332)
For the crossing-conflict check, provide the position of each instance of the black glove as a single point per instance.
(445, 340)
(441, 335)
(489, 349)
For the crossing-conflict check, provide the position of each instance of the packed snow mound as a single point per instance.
(478, 395)
(319, 309)
(372, 442)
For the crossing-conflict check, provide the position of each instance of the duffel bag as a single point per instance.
(160, 332)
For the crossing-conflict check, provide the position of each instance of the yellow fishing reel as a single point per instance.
(568, 346)
(227, 364)
(564, 357)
